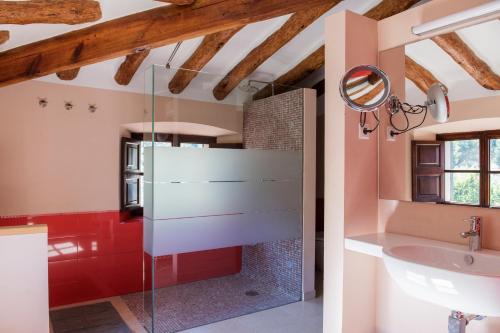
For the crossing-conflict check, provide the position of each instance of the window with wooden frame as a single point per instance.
(458, 168)
(132, 162)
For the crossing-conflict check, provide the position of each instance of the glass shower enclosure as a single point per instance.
(222, 220)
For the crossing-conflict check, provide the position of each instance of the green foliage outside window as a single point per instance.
(465, 187)
(464, 155)
(494, 178)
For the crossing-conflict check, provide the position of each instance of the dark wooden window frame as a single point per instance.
(484, 138)
(176, 140)
(129, 175)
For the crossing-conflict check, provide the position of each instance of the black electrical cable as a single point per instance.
(406, 109)
(362, 122)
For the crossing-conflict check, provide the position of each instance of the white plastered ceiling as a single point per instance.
(482, 39)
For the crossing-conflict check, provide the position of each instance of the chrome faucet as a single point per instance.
(474, 234)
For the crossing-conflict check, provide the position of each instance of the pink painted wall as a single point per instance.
(56, 161)
(439, 222)
(397, 312)
(394, 155)
(359, 295)
(351, 190)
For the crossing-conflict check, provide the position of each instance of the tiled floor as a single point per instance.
(91, 318)
(296, 317)
(185, 306)
(120, 306)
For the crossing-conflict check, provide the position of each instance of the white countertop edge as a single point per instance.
(365, 247)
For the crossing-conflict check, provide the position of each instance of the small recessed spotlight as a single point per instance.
(42, 102)
(68, 105)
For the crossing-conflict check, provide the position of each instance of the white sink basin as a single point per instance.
(443, 275)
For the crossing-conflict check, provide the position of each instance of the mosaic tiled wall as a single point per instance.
(275, 123)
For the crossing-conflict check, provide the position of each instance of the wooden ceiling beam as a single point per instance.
(208, 48)
(419, 75)
(68, 75)
(388, 8)
(4, 36)
(130, 66)
(292, 27)
(315, 60)
(49, 11)
(306, 67)
(149, 29)
(463, 55)
(383, 10)
(179, 2)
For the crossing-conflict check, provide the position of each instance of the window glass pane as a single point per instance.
(462, 188)
(462, 155)
(495, 154)
(193, 145)
(495, 190)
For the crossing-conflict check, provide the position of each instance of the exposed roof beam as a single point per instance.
(68, 75)
(179, 2)
(4, 36)
(130, 66)
(383, 10)
(416, 73)
(49, 11)
(452, 44)
(292, 27)
(208, 48)
(149, 29)
(306, 67)
(388, 8)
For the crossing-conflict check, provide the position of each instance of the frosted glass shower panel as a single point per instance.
(213, 198)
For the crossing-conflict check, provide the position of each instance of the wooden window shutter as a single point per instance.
(130, 174)
(428, 171)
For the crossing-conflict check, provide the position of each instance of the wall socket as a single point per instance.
(362, 135)
(389, 136)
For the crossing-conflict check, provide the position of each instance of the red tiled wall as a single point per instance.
(194, 266)
(96, 255)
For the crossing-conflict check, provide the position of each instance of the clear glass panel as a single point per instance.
(144, 311)
(222, 227)
(462, 155)
(462, 188)
(495, 154)
(495, 190)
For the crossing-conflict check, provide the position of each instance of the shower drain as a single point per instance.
(251, 293)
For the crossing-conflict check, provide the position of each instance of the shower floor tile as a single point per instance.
(200, 303)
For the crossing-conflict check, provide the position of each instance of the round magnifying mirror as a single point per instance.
(365, 88)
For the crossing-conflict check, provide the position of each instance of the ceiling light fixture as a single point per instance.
(463, 18)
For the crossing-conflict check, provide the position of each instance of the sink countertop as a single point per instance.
(23, 229)
(373, 244)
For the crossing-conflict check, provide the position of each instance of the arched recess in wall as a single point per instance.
(460, 126)
(179, 127)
